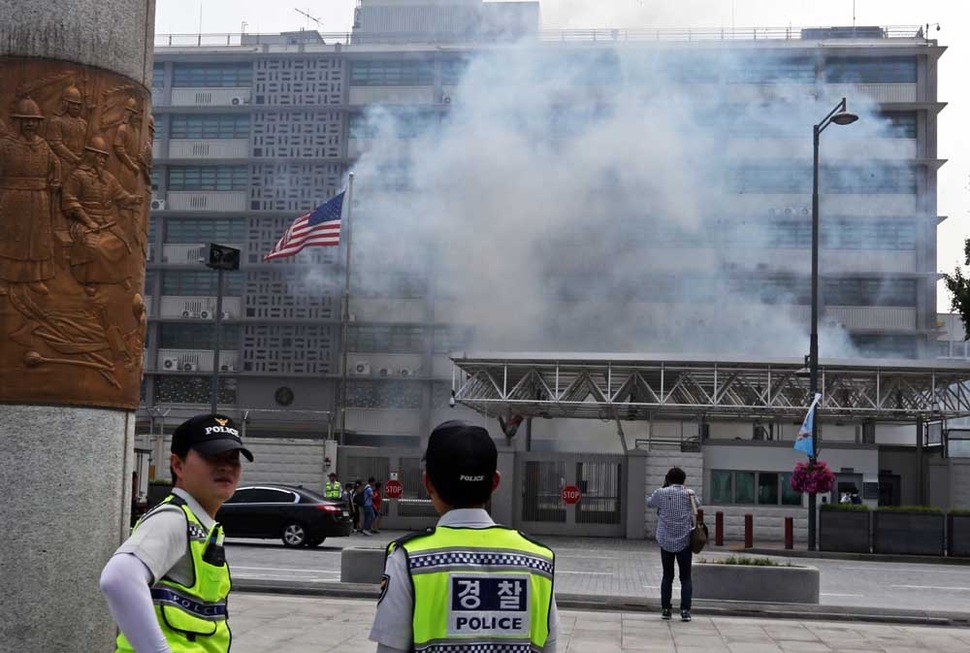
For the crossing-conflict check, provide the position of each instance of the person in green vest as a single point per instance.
(332, 488)
(467, 584)
(167, 585)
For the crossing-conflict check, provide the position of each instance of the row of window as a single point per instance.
(197, 336)
(594, 68)
(204, 283)
(788, 178)
(197, 126)
(218, 230)
(833, 292)
(211, 178)
(758, 488)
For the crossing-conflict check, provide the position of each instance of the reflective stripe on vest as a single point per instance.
(332, 490)
(194, 618)
(483, 590)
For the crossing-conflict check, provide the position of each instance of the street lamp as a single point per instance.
(838, 116)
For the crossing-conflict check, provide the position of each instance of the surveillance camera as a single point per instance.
(451, 399)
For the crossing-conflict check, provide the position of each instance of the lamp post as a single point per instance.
(838, 116)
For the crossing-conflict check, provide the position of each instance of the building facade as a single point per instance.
(253, 130)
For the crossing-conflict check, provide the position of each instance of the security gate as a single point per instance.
(541, 477)
(413, 511)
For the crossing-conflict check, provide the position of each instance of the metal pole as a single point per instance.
(813, 342)
(345, 313)
(214, 389)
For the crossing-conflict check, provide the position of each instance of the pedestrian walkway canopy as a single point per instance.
(637, 387)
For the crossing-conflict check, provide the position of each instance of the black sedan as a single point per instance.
(298, 516)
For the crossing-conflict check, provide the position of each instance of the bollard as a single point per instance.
(719, 528)
(748, 531)
(789, 532)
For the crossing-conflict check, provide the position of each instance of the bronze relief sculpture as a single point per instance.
(75, 177)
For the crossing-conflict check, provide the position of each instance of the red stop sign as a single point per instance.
(393, 489)
(570, 494)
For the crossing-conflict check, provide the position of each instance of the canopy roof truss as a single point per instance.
(635, 388)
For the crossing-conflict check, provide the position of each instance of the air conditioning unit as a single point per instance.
(158, 205)
(226, 316)
(238, 100)
(351, 317)
(149, 255)
(360, 368)
(170, 364)
(205, 315)
(407, 371)
(188, 313)
(189, 366)
(227, 367)
(384, 371)
(445, 99)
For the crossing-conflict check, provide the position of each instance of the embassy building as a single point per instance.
(252, 130)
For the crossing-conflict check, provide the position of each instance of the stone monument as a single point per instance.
(75, 171)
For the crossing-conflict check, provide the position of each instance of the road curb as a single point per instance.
(794, 611)
(839, 555)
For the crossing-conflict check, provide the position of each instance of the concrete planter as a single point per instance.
(913, 533)
(843, 530)
(754, 583)
(958, 535)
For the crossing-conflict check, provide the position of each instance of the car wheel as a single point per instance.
(294, 534)
(316, 542)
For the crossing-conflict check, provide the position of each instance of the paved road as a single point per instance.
(297, 624)
(614, 567)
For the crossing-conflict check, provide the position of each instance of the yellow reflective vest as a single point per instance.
(479, 590)
(332, 490)
(193, 618)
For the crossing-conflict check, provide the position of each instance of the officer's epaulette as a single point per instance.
(401, 541)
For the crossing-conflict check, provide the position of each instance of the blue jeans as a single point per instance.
(369, 516)
(684, 559)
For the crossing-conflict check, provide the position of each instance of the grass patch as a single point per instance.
(929, 510)
(845, 507)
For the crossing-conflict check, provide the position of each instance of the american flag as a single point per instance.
(318, 228)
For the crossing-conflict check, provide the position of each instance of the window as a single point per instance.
(770, 70)
(197, 336)
(391, 339)
(392, 73)
(901, 124)
(452, 338)
(158, 76)
(204, 284)
(870, 292)
(208, 178)
(795, 179)
(760, 488)
(452, 70)
(210, 126)
(870, 70)
(212, 74)
(403, 124)
(221, 230)
(878, 346)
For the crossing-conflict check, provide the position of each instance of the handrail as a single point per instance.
(230, 39)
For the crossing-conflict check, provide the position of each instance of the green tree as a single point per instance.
(959, 287)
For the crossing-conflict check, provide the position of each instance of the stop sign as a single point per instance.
(393, 489)
(570, 494)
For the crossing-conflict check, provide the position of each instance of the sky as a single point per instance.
(215, 16)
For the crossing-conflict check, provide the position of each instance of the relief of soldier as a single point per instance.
(29, 175)
(75, 174)
(94, 201)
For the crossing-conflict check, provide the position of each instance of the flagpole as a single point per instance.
(345, 313)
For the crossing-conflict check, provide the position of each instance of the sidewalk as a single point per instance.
(300, 624)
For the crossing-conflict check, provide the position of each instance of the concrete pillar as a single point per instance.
(636, 494)
(74, 103)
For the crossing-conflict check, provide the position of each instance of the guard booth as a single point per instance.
(541, 508)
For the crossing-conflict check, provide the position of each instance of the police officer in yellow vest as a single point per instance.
(167, 585)
(331, 488)
(467, 585)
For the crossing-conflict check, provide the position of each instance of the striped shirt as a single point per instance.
(675, 518)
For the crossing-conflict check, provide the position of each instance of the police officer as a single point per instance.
(467, 582)
(331, 488)
(167, 585)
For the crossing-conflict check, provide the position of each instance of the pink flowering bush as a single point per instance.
(814, 479)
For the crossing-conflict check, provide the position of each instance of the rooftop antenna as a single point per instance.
(309, 17)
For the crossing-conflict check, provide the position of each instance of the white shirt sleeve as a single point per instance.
(125, 583)
(160, 541)
(550, 646)
(392, 629)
